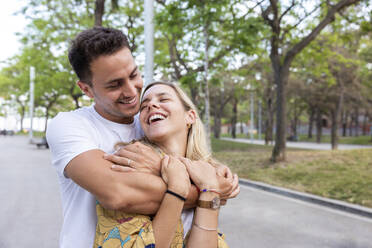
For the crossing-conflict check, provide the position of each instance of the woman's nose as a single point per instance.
(153, 104)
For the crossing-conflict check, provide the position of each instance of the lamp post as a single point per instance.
(149, 41)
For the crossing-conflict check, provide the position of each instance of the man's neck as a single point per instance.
(119, 120)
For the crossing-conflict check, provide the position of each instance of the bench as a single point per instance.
(43, 143)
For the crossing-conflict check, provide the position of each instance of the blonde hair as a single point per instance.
(197, 147)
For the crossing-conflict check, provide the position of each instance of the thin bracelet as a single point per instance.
(176, 195)
(210, 190)
(204, 228)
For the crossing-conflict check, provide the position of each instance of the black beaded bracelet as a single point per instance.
(176, 195)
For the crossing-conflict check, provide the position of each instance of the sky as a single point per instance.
(9, 25)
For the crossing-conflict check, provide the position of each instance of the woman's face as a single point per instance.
(162, 114)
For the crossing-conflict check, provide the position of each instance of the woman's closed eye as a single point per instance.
(143, 107)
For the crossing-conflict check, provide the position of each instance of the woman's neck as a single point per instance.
(173, 147)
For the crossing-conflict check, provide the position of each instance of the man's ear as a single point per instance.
(190, 116)
(86, 88)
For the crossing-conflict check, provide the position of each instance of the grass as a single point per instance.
(341, 175)
(360, 140)
(36, 134)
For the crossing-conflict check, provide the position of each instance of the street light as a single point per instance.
(149, 41)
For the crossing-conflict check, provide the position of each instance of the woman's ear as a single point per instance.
(190, 117)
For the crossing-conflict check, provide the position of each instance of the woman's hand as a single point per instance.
(202, 174)
(174, 173)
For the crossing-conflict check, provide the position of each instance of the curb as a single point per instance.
(335, 204)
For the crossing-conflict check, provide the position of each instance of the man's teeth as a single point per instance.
(128, 102)
(156, 116)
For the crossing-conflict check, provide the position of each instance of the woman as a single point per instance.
(171, 124)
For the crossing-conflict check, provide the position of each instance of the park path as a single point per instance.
(31, 213)
(303, 145)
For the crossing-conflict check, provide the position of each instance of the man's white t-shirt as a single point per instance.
(70, 134)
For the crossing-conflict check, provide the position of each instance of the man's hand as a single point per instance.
(226, 177)
(136, 157)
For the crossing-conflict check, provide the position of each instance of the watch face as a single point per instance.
(216, 203)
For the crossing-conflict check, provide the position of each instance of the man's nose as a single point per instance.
(129, 90)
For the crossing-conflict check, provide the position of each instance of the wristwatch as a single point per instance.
(213, 204)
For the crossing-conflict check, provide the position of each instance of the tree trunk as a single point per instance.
(23, 111)
(357, 122)
(334, 136)
(194, 95)
(22, 118)
(234, 117)
(319, 126)
(217, 120)
(365, 124)
(46, 120)
(335, 114)
(345, 117)
(295, 122)
(217, 126)
(281, 79)
(311, 121)
(98, 12)
(76, 101)
(351, 122)
(269, 122)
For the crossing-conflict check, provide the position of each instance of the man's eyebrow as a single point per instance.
(134, 70)
(120, 79)
(113, 80)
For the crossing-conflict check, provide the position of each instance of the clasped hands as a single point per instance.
(142, 158)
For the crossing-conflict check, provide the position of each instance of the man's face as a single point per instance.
(116, 86)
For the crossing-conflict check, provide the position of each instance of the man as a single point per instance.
(79, 139)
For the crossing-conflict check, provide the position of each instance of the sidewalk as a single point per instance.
(303, 145)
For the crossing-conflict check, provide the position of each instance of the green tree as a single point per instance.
(286, 41)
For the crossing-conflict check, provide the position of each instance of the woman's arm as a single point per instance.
(166, 219)
(204, 231)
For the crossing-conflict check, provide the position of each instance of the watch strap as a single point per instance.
(213, 204)
(204, 204)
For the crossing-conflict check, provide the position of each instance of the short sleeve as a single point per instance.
(69, 135)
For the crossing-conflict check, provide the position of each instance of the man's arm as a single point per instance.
(141, 158)
(131, 192)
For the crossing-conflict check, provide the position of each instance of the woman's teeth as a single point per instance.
(156, 117)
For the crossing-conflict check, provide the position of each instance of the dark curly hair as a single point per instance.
(92, 43)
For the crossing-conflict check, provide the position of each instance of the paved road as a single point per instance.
(30, 213)
(304, 145)
(30, 209)
(266, 220)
